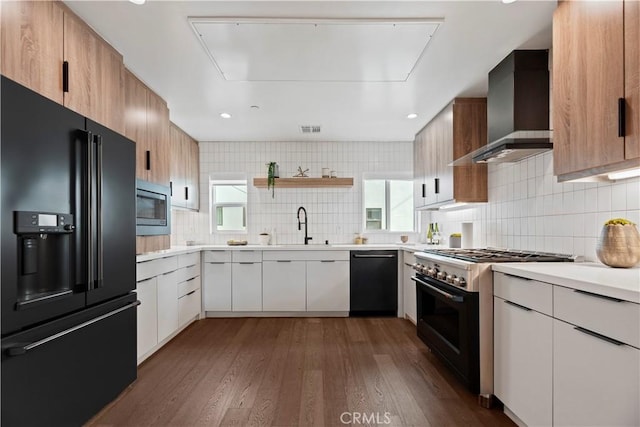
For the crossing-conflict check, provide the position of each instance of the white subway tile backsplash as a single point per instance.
(553, 217)
(334, 214)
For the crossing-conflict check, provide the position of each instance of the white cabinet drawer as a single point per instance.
(304, 255)
(187, 286)
(610, 317)
(246, 256)
(529, 293)
(188, 307)
(188, 259)
(217, 256)
(188, 273)
(155, 267)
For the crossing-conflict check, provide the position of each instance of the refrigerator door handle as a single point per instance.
(88, 212)
(23, 349)
(98, 214)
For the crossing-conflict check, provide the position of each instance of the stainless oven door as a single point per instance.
(448, 323)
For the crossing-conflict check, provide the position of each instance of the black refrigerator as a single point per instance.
(68, 262)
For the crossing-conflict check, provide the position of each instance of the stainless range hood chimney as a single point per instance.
(517, 109)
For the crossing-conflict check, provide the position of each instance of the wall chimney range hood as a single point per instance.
(517, 110)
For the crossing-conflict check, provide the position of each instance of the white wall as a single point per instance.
(528, 209)
(335, 214)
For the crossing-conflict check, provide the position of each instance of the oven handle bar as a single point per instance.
(454, 298)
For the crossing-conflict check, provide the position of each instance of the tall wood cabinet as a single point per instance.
(40, 40)
(147, 123)
(596, 71)
(32, 45)
(457, 130)
(185, 170)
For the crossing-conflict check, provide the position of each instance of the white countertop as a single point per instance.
(621, 283)
(179, 250)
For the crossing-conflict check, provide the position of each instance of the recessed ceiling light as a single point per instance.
(508, 1)
(138, 2)
(412, 116)
(225, 115)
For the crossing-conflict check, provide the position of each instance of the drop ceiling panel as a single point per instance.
(315, 50)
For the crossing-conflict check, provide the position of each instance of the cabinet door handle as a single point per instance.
(437, 185)
(328, 260)
(246, 263)
(517, 277)
(65, 77)
(597, 335)
(171, 188)
(217, 263)
(622, 109)
(186, 193)
(283, 260)
(424, 190)
(522, 307)
(192, 279)
(191, 293)
(148, 160)
(591, 294)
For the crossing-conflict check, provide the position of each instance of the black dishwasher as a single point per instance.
(374, 283)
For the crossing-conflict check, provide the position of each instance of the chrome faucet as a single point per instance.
(306, 239)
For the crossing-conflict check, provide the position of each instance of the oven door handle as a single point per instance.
(454, 298)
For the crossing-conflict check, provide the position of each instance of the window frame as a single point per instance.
(387, 178)
(213, 206)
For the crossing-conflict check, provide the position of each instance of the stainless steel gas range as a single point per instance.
(454, 289)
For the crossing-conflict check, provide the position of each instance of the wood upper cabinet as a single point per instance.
(147, 124)
(32, 43)
(158, 139)
(457, 130)
(185, 170)
(95, 78)
(38, 37)
(595, 66)
(632, 77)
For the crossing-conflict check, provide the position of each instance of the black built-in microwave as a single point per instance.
(153, 209)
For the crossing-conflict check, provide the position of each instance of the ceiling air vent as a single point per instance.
(310, 128)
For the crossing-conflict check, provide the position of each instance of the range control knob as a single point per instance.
(459, 281)
(451, 278)
(442, 275)
(69, 227)
(433, 272)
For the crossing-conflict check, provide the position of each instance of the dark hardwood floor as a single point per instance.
(296, 372)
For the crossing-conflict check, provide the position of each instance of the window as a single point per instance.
(228, 206)
(388, 205)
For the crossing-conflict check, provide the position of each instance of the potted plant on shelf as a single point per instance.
(619, 243)
(273, 172)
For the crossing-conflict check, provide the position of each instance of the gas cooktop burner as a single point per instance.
(500, 255)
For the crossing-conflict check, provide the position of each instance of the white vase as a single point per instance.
(263, 239)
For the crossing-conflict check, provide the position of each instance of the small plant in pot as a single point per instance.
(619, 243)
(273, 172)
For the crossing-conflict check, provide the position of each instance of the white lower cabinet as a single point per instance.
(564, 356)
(147, 319)
(167, 304)
(409, 287)
(162, 286)
(523, 361)
(283, 285)
(246, 286)
(217, 286)
(327, 285)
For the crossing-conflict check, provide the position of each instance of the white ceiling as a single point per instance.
(314, 50)
(160, 46)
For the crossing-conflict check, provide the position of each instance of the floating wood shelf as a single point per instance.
(305, 182)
